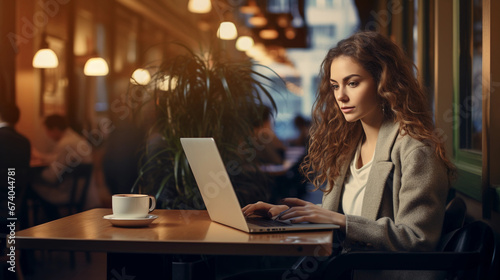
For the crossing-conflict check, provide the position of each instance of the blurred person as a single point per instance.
(15, 149)
(270, 154)
(269, 148)
(70, 150)
(302, 125)
(15, 153)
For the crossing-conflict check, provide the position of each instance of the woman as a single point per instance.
(372, 151)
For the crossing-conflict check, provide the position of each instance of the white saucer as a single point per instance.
(130, 222)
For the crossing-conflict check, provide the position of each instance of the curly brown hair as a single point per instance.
(333, 139)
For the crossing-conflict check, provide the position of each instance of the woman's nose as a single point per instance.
(341, 95)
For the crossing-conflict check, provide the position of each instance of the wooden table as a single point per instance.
(174, 232)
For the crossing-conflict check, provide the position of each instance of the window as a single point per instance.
(468, 96)
(470, 66)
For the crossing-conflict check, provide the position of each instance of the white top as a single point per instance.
(71, 150)
(355, 185)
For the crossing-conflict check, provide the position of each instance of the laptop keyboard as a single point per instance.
(267, 223)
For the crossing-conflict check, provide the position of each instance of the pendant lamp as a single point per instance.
(45, 58)
(96, 66)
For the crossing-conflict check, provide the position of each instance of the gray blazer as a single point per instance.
(404, 201)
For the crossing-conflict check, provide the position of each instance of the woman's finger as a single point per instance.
(293, 213)
(292, 201)
(259, 208)
(277, 210)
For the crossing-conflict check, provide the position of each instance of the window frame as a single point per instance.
(468, 162)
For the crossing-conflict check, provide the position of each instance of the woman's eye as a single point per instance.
(353, 84)
(334, 87)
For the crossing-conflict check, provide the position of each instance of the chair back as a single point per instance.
(454, 216)
(477, 237)
(454, 219)
(80, 176)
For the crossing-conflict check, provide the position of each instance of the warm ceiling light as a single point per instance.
(45, 58)
(250, 9)
(290, 33)
(96, 66)
(199, 6)
(140, 77)
(268, 34)
(227, 31)
(244, 43)
(257, 21)
(282, 21)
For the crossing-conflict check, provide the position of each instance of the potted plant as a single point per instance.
(202, 95)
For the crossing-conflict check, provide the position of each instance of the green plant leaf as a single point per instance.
(212, 96)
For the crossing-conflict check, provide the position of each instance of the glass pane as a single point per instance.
(470, 49)
(476, 92)
(415, 32)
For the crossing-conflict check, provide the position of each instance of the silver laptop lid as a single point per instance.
(213, 181)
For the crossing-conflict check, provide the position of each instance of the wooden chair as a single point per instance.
(79, 181)
(80, 177)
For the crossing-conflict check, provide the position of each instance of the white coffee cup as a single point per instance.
(130, 206)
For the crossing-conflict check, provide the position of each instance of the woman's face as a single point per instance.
(355, 91)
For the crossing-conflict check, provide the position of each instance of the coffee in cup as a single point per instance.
(130, 206)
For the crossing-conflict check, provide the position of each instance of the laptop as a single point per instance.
(219, 196)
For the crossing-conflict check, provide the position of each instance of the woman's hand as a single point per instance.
(297, 211)
(304, 211)
(263, 209)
